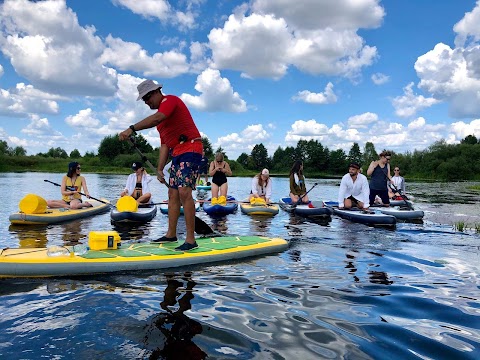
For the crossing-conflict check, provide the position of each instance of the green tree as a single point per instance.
(243, 160)
(57, 152)
(259, 156)
(207, 147)
(369, 153)
(19, 151)
(4, 148)
(355, 154)
(110, 147)
(470, 139)
(75, 154)
(338, 162)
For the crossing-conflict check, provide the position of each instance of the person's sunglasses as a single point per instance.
(148, 95)
(388, 159)
(396, 170)
(79, 168)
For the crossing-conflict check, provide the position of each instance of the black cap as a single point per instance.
(137, 165)
(354, 165)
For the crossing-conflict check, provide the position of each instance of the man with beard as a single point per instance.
(354, 189)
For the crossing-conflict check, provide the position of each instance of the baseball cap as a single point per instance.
(137, 165)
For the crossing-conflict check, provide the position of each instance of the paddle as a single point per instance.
(201, 227)
(299, 201)
(73, 189)
(410, 207)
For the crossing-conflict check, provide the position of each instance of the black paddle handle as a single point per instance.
(301, 197)
(73, 189)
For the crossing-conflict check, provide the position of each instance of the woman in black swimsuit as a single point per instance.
(219, 170)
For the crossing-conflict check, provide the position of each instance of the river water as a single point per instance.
(341, 290)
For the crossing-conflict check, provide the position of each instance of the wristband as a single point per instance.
(132, 127)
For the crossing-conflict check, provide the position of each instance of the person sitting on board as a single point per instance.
(219, 170)
(298, 190)
(354, 189)
(399, 185)
(203, 171)
(379, 172)
(72, 185)
(137, 184)
(261, 187)
(179, 136)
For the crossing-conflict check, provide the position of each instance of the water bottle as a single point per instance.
(56, 250)
(80, 249)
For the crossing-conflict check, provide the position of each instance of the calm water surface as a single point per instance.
(341, 290)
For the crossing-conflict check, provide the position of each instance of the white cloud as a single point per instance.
(317, 38)
(128, 56)
(216, 94)
(84, 119)
(41, 128)
(362, 121)
(46, 45)
(25, 99)
(380, 79)
(244, 141)
(327, 97)
(467, 28)
(409, 104)
(461, 129)
(1, 70)
(161, 10)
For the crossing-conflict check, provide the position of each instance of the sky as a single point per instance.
(399, 74)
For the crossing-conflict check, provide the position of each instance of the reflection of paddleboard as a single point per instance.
(34, 262)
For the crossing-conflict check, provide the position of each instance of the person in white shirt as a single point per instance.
(354, 189)
(261, 186)
(137, 184)
(399, 183)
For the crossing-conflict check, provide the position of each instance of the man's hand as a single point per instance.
(161, 177)
(125, 134)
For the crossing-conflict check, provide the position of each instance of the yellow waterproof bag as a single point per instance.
(33, 204)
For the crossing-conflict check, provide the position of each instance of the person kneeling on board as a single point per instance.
(354, 189)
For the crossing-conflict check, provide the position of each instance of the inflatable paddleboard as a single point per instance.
(35, 262)
(143, 214)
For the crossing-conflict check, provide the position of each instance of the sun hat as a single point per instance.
(145, 87)
(265, 172)
(137, 165)
(354, 165)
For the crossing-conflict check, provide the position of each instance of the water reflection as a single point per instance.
(177, 328)
(30, 237)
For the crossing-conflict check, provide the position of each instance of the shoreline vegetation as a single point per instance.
(441, 162)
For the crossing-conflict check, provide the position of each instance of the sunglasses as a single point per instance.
(388, 159)
(147, 96)
(79, 168)
(396, 170)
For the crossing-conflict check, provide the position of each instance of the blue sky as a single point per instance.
(400, 74)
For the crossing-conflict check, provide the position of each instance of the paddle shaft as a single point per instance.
(403, 196)
(301, 197)
(73, 189)
(201, 227)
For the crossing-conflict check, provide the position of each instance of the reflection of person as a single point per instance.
(178, 343)
(72, 185)
(399, 183)
(298, 190)
(203, 170)
(261, 186)
(180, 136)
(219, 170)
(379, 172)
(354, 189)
(137, 184)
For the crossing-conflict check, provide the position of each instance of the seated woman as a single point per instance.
(137, 184)
(298, 190)
(261, 186)
(219, 170)
(398, 183)
(72, 185)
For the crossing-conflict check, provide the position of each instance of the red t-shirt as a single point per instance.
(178, 121)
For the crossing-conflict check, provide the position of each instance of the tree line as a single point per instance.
(440, 161)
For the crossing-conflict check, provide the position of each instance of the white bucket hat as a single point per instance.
(145, 87)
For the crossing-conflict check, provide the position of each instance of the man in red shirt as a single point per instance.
(180, 137)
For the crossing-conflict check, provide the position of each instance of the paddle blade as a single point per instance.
(201, 227)
(127, 203)
(33, 204)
